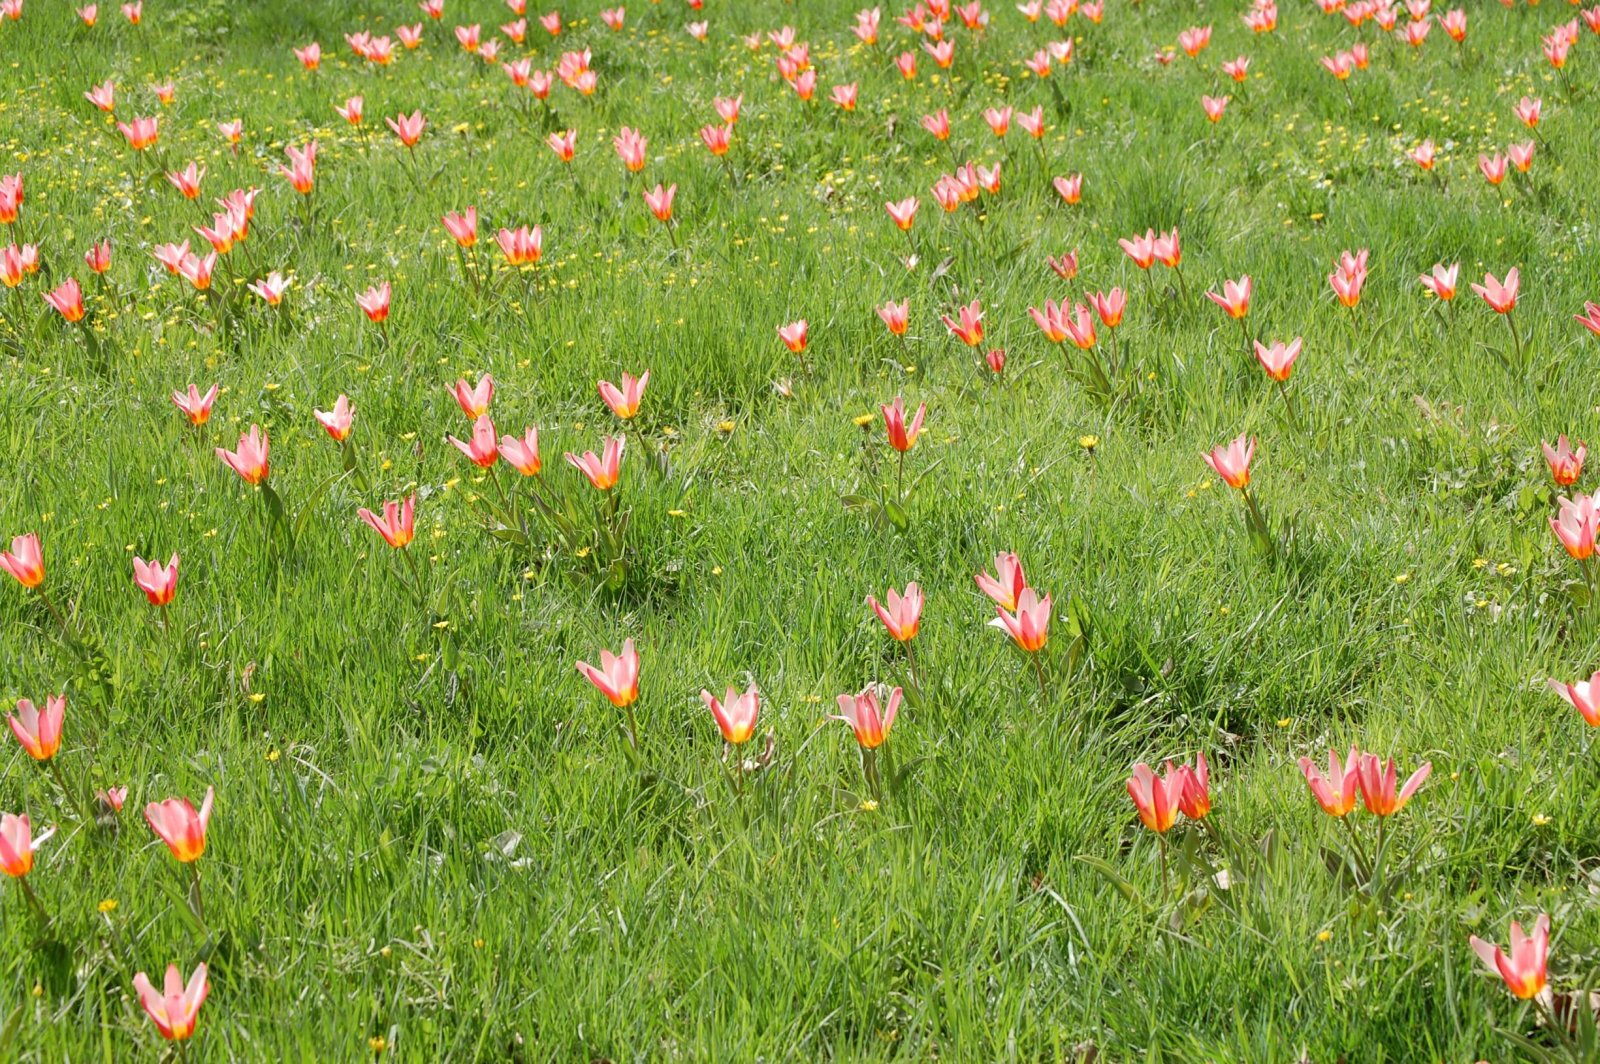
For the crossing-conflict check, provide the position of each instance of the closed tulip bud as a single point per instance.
(902, 437)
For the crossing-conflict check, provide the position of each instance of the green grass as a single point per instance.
(427, 826)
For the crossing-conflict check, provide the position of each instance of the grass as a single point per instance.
(430, 841)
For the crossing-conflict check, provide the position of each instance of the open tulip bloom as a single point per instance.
(1231, 462)
(175, 1008)
(870, 721)
(618, 679)
(1524, 967)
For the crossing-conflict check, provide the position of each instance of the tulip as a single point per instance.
(232, 131)
(717, 139)
(996, 360)
(1347, 287)
(1493, 167)
(165, 93)
(845, 96)
(604, 470)
(1377, 780)
(103, 96)
(1238, 69)
(1502, 298)
(1521, 156)
(196, 407)
(1235, 298)
(1008, 583)
(1590, 318)
(310, 56)
(906, 63)
(624, 401)
(1340, 65)
(410, 36)
(171, 255)
(1528, 111)
(250, 460)
(434, 9)
(468, 36)
(474, 401)
(25, 560)
(659, 201)
(999, 119)
(521, 246)
(141, 133)
(180, 827)
(187, 180)
(1278, 360)
(1231, 461)
(870, 723)
(727, 108)
(900, 615)
(374, 302)
(1030, 624)
(175, 1009)
(159, 583)
(943, 53)
(1069, 188)
(1442, 281)
(12, 273)
(1156, 799)
(1193, 41)
(98, 257)
(17, 846)
(1583, 696)
(302, 168)
(1454, 23)
(630, 145)
(794, 335)
(1524, 969)
(1423, 155)
(112, 798)
(617, 677)
(271, 288)
(1065, 266)
(902, 437)
(896, 316)
(904, 212)
(938, 124)
(1574, 526)
(408, 127)
(1214, 106)
(338, 420)
(523, 454)
(67, 298)
(565, 145)
(613, 17)
(735, 714)
(397, 526)
(1194, 793)
(351, 110)
(1566, 465)
(480, 449)
(969, 326)
(1141, 249)
(39, 732)
(1336, 792)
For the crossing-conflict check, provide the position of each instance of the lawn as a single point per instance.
(435, 836)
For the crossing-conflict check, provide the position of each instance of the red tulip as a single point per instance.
(1377, 781)
(1502, 298)
(1583, 696)
(794, 335)
(67, 298)
(480, 449)
(18, 843)
(1336, 792)
(374, 302)
(968, 325)
(902, 437)
(604, 470)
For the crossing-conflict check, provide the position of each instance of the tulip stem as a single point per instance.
(67, 793)
(1355, 845)
(33, 901)
(416, 578)
(1166, 886)
(1376, 886)
(196, 902)
(869, 768)
(1038, 670)
(1294, 415)
(56, 613)
(1516, 341)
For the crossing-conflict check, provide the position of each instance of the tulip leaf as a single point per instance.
(1115, 878)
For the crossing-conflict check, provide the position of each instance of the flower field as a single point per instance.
(761, 530)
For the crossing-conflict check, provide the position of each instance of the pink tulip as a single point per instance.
(25, 560)
(250, 460)
(1155, 797)
(175, 1009)
(1566, 465)
(1442, 281)
(1069, 188)
(39, 732)
(1590, 318)
(1493, 167)
(1030, 625)
(98, 257)
(794, 335)
(1502, 298)
(523, 454)
(735, 714)
(717, 139)
(1008, 583)
(1214, 106)
(1583, 696)
(351, 110)
(968, 324)
(480, 449)
(310, 56)
(1423, 155)
(1231, 461)
(565, 145)
(103, 96)
(1141, 249)
(631, 145)
(1574, 526)
(474, 401)
(605, 470)
(904, 212)
(1278, 360)
(196, 407)
(271, 288)
(870, 723)
(301, 173)
(1524, 968)
(187, 180)
(521, 246)
(159, 583)
(1377, 780)
(900, 614)
(18, 843)
(374, 302)
(660, 201)
(624, 401)
(1235, 297)
(180, 827)
(1529, 111)
(408, 127)
(902, 437)
(896, 316)
(397, 526)
(338, 420)
(618, 675)
(1336, 792)
(1521, 156)
(67, 298)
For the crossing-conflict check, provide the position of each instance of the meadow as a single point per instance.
(439, 825)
